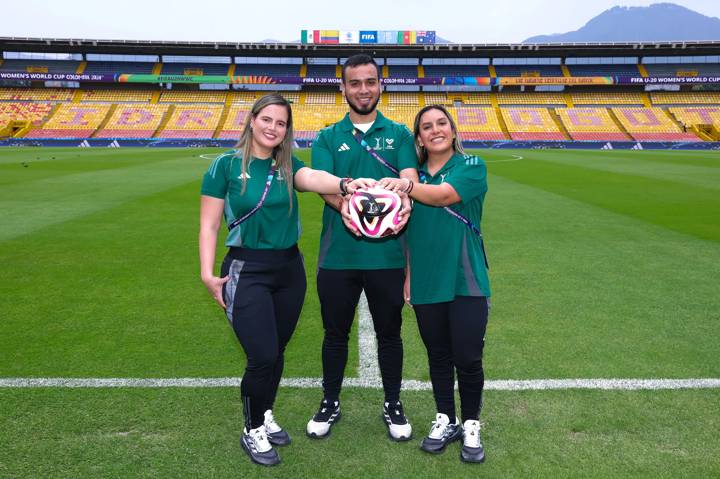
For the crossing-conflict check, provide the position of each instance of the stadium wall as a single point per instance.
(220, 143)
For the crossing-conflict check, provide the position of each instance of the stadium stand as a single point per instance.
(607, 98)
(322, 71)
(590, 124)
(685, 98)
(115, 68)
(309, 119)
(402, 71)
(528, 70)
(36, 94)
(470, 98)
(195, 69)
(691, 116)
(320, 98)
(405, 98)
(133, 121)
(35, 113)
(651, 124)
(232, 127)
(72, 121)
(682, 70)
(193, 96)
(116, 96)
(192, 121)
(244, 97)
(478, 123)
(457, 71)
(40, 66)
(603, 70)
(267, 70)
(531, 124)
(401, 113)
(436, 98)
(530, 99)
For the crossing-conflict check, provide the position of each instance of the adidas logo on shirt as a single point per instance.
(343, 147)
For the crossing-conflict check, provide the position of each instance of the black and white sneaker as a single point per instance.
(256, 445)
(319, 426)
(276, 435)
(441, 434)
(399, 429)
(472, 450)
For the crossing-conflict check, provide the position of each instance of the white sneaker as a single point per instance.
(441, 434)
(399, 428)
(472, 450)
(276, 435)
(319, 426)
(256, 445)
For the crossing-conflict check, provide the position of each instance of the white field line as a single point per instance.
(411, 385)
(368, 369)
(514, 158)
(369, 376)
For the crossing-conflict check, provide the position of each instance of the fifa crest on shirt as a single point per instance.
(382, 143)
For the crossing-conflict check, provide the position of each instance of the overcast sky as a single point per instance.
(462, 21)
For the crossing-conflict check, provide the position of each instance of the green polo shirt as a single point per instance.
(273, 226)
(446, 256)
(336, 151)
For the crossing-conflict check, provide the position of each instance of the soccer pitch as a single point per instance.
(604, 264)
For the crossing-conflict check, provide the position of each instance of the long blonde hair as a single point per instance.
(282, 154)
(420, 150)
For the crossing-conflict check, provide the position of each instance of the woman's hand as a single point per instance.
(398, 185)
(214, 286)
(359, 183)
(404, 213)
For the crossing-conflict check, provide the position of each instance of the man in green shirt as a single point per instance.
(349, 263)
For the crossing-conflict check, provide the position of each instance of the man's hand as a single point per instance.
(347, 219)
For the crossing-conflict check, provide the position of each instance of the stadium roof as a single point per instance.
(143, 47)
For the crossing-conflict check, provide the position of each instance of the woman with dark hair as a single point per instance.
(447, 282)
(262, 281)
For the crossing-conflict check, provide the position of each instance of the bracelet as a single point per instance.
(343, 185)
(410, 186)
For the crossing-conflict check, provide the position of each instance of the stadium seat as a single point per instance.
(590, 124)
(477, 123)
(651, 124)
(192, 121)
(35, 113)
(72, 121)
(531, 124)
(133, 121)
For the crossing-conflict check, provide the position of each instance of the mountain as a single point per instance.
(658, 22)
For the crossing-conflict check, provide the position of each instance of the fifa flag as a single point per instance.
(349, 36)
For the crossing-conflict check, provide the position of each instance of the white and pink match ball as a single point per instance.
(375, 211)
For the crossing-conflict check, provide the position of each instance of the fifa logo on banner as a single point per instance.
(368, 36)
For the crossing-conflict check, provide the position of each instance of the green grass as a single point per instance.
(603, 264)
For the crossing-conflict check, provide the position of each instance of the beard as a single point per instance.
(362, 111)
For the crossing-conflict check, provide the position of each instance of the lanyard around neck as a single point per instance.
(270, 176)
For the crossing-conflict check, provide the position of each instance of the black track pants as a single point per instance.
(339, 292)
(264, 297)
(454, 336)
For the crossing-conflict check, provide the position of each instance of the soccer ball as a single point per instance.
(375, 211)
